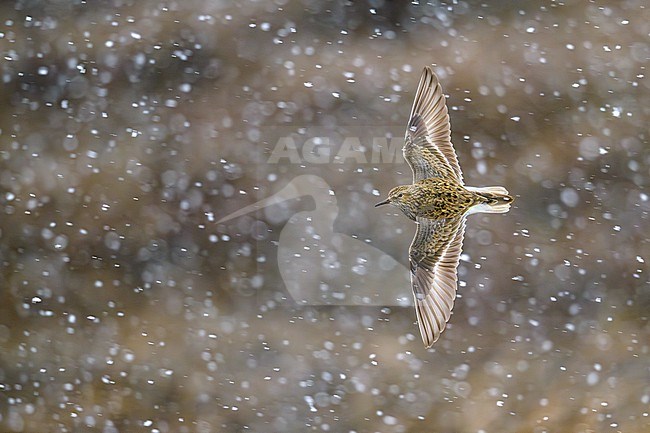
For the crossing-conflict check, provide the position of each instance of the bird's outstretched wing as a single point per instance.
(434, 255)
(427, 144)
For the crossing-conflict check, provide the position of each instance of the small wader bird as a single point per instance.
(438, 201)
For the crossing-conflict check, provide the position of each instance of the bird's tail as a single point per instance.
(498, 199)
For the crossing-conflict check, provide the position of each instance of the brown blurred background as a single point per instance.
(128, 128)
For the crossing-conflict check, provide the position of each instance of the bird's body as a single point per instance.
(439, 198)
(439, 202)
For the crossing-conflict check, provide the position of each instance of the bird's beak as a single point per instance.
(383, 202)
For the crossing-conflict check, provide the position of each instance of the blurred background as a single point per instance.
(129, 129)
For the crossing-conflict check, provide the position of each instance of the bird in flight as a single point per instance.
(439, 202)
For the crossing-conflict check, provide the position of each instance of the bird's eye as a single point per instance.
(399, 195)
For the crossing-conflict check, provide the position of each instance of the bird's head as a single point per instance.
(402, 197)
(399, 194)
